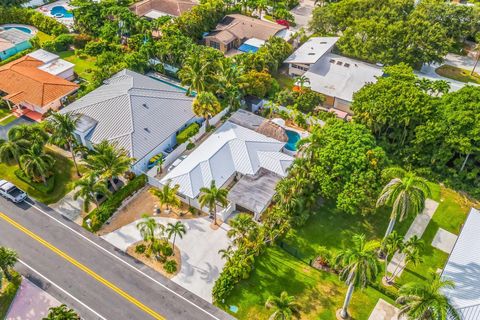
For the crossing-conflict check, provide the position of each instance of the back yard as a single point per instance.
(320, 293)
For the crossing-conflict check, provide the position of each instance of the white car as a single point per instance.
(9, 191)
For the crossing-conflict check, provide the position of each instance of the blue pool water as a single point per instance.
(23, 29)
(61, 12)
(247, 48)
(293, 138)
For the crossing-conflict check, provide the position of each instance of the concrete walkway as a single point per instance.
(384, 311)
(416, 229)
(200, 265)
(444, 240)
(31, 303)
(70, 208)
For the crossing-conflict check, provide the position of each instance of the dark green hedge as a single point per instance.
(188, 132)
(32, 17)
(101, 214)
(45, 189)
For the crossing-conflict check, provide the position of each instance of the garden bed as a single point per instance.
(152, 262)
(8, 291)
(458, 74)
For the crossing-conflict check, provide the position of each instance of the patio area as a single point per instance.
(59, 10)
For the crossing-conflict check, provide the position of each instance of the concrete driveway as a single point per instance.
(201, 263)
(303, 13)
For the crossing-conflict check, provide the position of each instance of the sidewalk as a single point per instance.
(31, 303)
(416, 229)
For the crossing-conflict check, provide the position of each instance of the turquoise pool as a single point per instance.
(23, 29)
(61, 12)
(293, 138)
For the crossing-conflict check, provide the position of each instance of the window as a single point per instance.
(215, 45)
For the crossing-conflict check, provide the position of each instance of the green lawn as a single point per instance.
(43, 37)
(285, 81)
(64, 175)
(4, 111)
(458, 74)
(321, 293)
(8, 292)
(83, 67)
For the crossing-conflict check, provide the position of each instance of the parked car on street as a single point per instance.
(11, 192)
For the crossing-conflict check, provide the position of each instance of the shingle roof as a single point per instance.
(232, 148)
(463, 267)
(24, 82)
(134, 111)
(170, 7)
(242, 27)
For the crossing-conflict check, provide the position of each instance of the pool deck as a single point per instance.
(46, 10)
(15, 25)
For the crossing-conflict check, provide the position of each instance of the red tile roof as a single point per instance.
(24, 82)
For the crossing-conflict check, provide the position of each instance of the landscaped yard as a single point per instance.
(43, 37)
(64, 173)
(8, 290)
(83, 67)
(321, 293)
(458, 74)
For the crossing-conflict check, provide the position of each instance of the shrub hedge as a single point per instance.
(32, 17)
(45, 189)
(101, 214)
(188, 132)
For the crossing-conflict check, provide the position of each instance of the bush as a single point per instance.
(140, 248)
(190, 145)
(81, 40)
(170, 266)
(60, 43)
(16, 56)
(223, 286)
(188, 132)
(101, 214)
(31, 17)
(41, 187)
(167, 250)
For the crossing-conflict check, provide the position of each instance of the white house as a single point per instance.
(308, 54)
(237, 157)
(137, 113)
(54, 65)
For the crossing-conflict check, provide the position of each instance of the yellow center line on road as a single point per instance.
(82, 267)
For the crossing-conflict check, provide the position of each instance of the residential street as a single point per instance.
(90, 275)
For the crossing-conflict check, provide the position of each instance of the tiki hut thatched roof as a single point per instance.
(272, 130)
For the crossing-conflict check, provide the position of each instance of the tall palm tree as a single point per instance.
(206, 105)
(212, 196)
(167, 195)
(477, 55)
(412, 250)
(109, 161)
(196, 73)
(37, 164)
(240, 226)
(359, 266)
(8, 258)
(11, 150)
(88, 189)
(35, 134)
(61, 312)
(391, 244)
(229, 83)
(425, 300)
(284, 306)
(406, 194)
(177, 229)
(63, 127)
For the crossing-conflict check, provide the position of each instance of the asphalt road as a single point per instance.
(90, 275)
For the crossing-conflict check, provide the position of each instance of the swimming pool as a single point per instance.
(293, 138)
(60, 12)
(23, 29)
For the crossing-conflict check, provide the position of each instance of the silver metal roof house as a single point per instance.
(136, 112)
(463, 268)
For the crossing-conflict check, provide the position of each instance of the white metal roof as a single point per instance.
(43, 55)
(155, 14)
(312, 50)
(232, 148)
(56, 67)
(338, 76)
(463, 267)
(255, 42)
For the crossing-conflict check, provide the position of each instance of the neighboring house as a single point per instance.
(463, 268)
(154, 9)
(13, 41)
(31, 90)
(242, 32)
(137, 113)
(338, 78)
(54, 65)
(308, 54)
(244, 160)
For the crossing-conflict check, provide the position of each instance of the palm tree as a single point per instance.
(35, 134)
(63, 127)
(206, 105)
(37, 164)
(426, 300)
(210, 197)
(391, 244)
(149, 229)
(61, 312)
(167, 195)
(177, 229)
(284, 306)
(359, 266)
(406, 193)
(88, 189)
(195, 73)
(11, 150)
(477, 55)
(8, 258)
(412, 250)
(240, 226)
(301, 80)
(109, 161)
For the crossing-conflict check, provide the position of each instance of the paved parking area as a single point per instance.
(201, 264)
